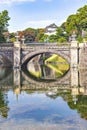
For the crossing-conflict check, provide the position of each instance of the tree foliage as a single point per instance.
(74, 23)
(29, 35)
(77, 22)
(4, 18)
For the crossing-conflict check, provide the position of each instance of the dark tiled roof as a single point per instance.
(52, 26)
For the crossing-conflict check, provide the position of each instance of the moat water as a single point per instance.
(43, 98)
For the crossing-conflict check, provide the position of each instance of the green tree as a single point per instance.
(72, 24)
(82, 15)
(76, 22)
(40, 35)
(62, 40)
(30, 35)
(4, 18)
(62, 35)
(53, 38)
(12, 37)
(44, 38)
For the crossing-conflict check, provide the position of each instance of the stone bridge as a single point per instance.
(17, 55)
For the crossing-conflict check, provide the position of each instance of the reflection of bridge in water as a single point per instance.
(65, 81)
(19, 79)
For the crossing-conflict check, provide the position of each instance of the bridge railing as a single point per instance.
(6, 44)
(59, 44)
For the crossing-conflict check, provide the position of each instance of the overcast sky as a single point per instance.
(39, 13)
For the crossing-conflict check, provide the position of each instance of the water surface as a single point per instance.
(47, 101)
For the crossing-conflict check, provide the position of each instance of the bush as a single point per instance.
(62, 40)
(80, 39)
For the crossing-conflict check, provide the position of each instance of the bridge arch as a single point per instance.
(30, 55)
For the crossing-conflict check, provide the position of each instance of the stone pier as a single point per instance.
(74, 54)
(17, 55)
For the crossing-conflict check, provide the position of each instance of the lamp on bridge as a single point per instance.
(83, 33)
(17, 37)
(84, 36)
(6, 35)
(23, 39)
(73, 36)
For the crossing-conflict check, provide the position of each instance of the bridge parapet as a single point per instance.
(45, 45)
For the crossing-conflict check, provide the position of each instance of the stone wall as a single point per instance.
(83, 56)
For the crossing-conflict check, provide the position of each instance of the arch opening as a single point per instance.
(50, 67)
(31, 55)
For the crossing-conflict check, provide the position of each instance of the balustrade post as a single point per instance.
(74, 52)
(17, 53)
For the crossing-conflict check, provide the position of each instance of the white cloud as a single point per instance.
(39, 23)
(17, 1)
(44, 23)
(12, 1)
(35, 24)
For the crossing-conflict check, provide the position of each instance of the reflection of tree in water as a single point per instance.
(3, 105)
(78, 102)
(80, 106)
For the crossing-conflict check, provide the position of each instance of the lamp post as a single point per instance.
(6, 35)
(83, 33)
(17, 37)
(70, 38)
(23, 39)
(73, 36)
